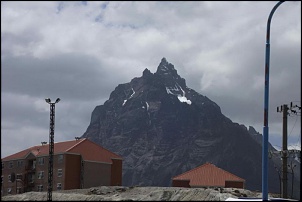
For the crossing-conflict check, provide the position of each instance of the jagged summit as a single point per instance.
(147, 73)
(166, 69)
(169, 75)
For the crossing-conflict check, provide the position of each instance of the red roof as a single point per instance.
(89, 150)
(208, 175)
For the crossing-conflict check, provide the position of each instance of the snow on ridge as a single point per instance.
(163, 68)
(132, 93)
(184, 99)
(129, 97)
(168, 91)
(181, 97)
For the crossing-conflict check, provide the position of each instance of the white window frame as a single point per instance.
(60, 172)
(40, 187)
(9, 190)
(41, 175)
(59, 186)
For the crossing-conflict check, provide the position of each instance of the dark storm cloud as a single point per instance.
(69, 76)
(81, 51)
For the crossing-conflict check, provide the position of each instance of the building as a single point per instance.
(207, 175)
(77, 164)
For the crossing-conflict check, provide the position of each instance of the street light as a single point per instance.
(266, 95)
(51, 146)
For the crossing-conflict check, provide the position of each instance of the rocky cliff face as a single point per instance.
(162, 128)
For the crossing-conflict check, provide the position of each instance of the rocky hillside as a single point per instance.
(112, 193)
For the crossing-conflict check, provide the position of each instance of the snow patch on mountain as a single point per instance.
(179, 92)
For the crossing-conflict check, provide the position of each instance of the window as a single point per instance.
(40, 187)
(60, 158)
(9, 178)
(60, 172)
(19, 190)
(19, 176)
(9, 190)
(19, 164)
(41, 161)
(40, 174)
(11, 164)
(34, 164)
(2, 165)
(1, 179)
(59, 186)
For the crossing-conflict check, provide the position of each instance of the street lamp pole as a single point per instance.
(51, 146)
(266, 101)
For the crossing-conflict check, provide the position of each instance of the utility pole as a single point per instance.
(285, 152)
(284, 109)
(51, 146)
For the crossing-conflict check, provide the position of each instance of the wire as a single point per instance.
(297, 114)
(293, 126)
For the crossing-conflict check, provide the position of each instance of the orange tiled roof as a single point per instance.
(89, 150)
(208, 175)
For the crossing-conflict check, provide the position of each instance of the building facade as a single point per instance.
(76, 164)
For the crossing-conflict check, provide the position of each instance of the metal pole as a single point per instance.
(51, 150)
(284, 153)
(266, 101)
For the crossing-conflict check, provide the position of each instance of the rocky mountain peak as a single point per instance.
(162, 128)
(168, 74)
(166, 69)
(147, 73)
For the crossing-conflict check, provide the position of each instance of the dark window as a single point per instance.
(11, 164)
(19, 190)
(59, 186)
(40, 174)
(20, 163)
(60, 172)
(40, 187)
(41, 161)
(60, 158)
(19, 176)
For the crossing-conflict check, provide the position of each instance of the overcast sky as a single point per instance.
(80, 51)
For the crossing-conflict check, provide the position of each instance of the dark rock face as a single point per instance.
(162, 128)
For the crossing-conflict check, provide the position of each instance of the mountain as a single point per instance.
(162, 128)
